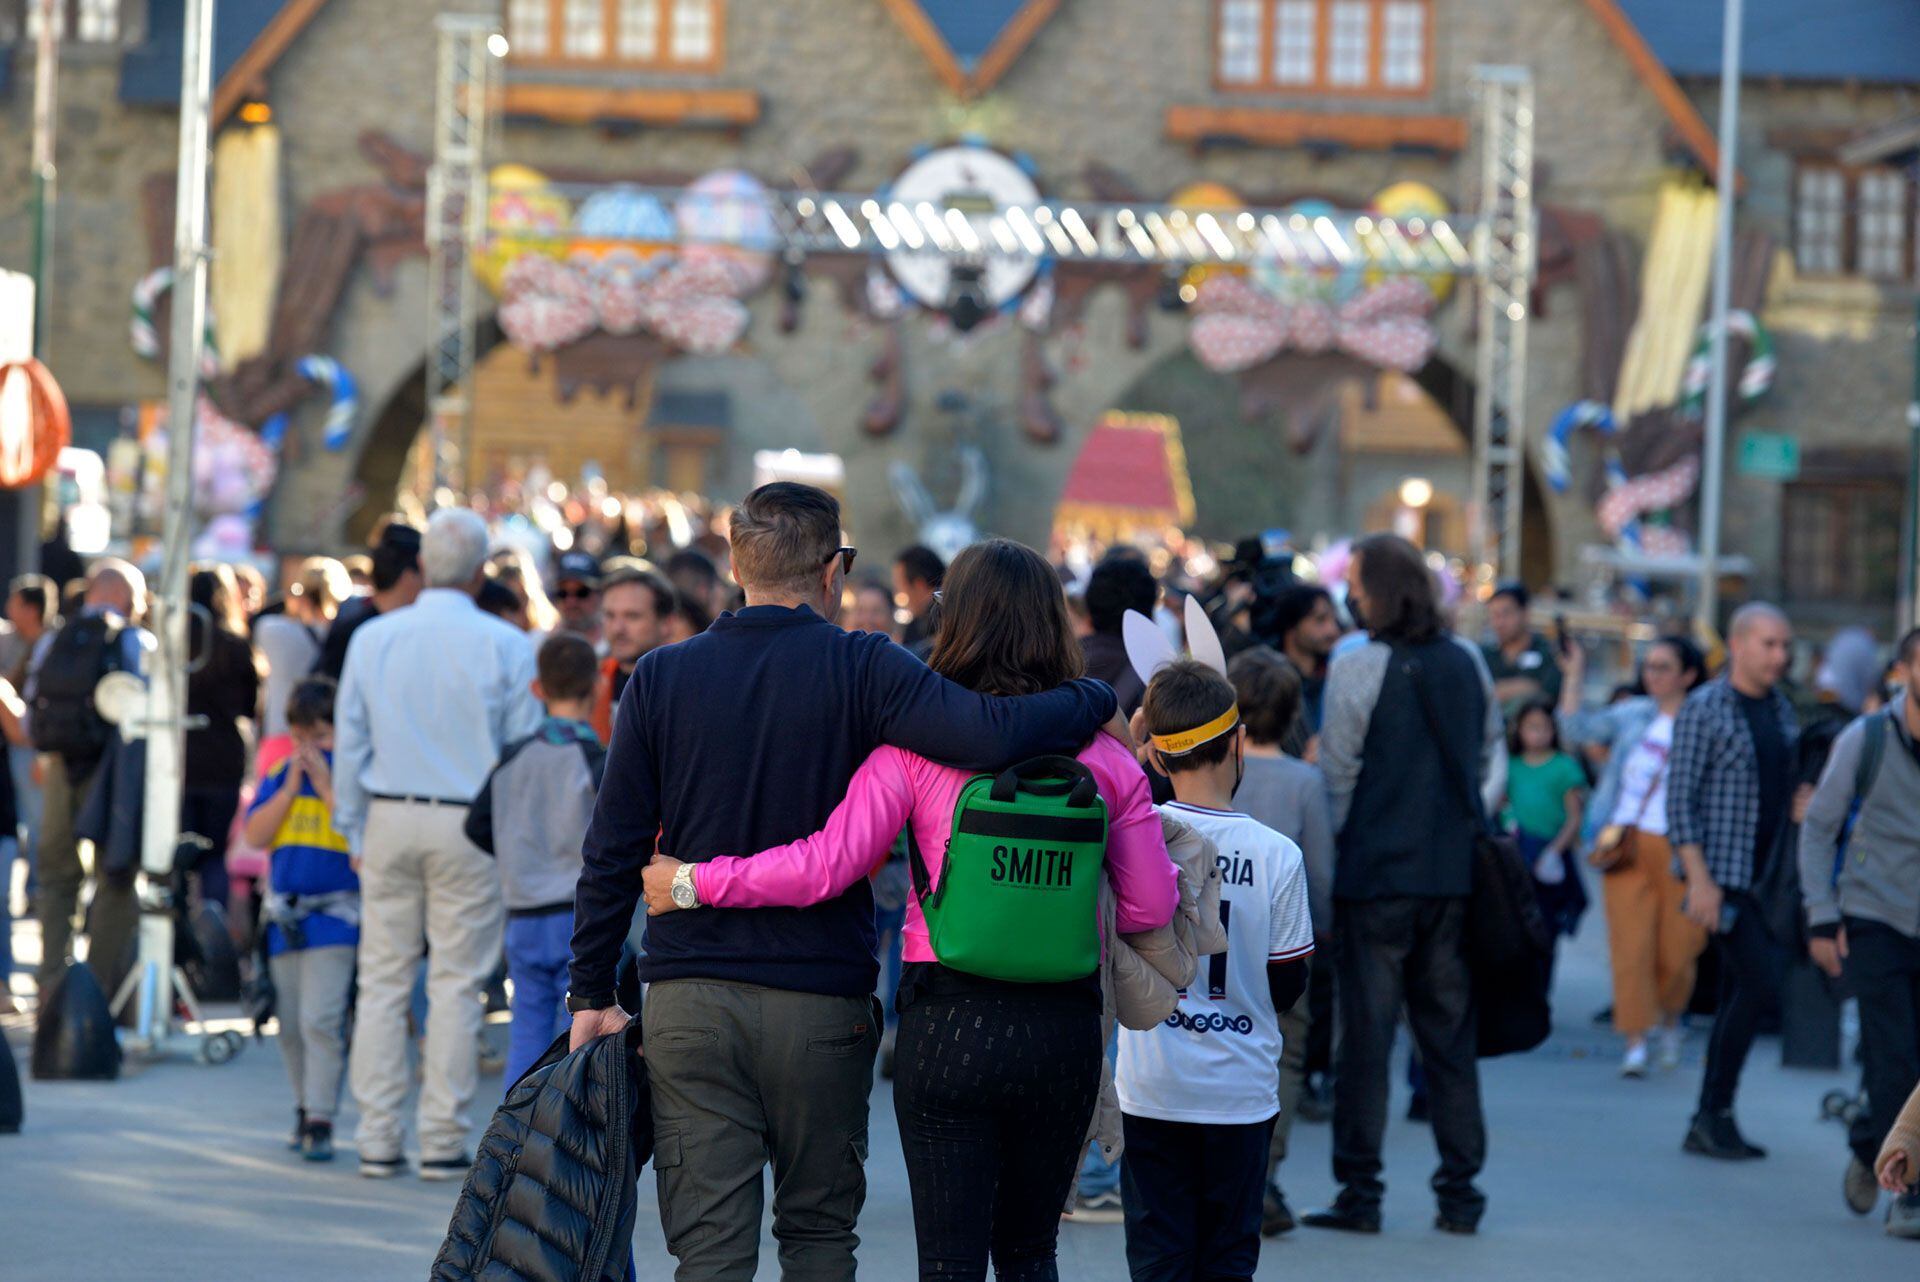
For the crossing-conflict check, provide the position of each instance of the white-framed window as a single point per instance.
(529, 28)
(639, 36)
(83, 21)
(1403, 45)
(1820, 221)
(1296, 42)
(1336, 46)
(1883, 219)
(695, 32)
(1349, 44)
(583, 29)
(1238, 50)
(664, 35)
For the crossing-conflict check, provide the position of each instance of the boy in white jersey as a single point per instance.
(1200, 1093)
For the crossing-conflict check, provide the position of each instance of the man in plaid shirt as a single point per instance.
(1729, 786)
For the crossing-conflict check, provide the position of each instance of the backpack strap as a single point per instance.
(1872, 749)
(1048, 777)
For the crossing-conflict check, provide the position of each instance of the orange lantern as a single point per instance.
(35, 424)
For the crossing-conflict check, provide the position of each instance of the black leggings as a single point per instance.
(993, 1095)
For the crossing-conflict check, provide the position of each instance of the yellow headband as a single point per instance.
(1185, 741)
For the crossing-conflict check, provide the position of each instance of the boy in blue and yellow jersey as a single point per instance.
(311, 915)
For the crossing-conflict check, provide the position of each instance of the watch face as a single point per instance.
(683, 894)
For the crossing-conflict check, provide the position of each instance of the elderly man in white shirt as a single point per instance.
(429, 697)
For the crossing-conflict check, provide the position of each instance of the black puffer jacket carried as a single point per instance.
(551, 1194)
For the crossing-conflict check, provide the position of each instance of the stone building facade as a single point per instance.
(1131, 85)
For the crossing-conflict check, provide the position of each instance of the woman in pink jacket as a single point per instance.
(995, 1081)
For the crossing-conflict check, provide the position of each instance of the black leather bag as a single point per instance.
(1509, 944)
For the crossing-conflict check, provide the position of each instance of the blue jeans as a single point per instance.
(7, 847)
(538, 950)
(888, 923)
(29, 804)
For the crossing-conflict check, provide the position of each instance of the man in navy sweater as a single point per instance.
(760, 1024)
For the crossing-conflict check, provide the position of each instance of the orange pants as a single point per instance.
(1654, 945)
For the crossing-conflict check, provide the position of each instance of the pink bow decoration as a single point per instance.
(1237, 325)
(693, 303)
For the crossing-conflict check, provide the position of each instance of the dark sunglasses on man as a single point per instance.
(846, 556)
(579, 592)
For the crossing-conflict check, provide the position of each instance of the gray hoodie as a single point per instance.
(1880, 880)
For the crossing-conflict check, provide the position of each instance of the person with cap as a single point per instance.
(576, 593)
(396, 583)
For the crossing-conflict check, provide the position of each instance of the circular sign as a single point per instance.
(975, 183)
(34, 423)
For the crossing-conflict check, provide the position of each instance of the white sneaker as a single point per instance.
(1634, 1063)
(1671, 1040)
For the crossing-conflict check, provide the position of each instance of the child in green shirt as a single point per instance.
(1546, 791)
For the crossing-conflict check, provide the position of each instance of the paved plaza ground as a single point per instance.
(179, 1171)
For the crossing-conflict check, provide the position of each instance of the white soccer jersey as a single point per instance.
(1217, 1058)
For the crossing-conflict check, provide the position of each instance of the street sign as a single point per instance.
(1770, 456)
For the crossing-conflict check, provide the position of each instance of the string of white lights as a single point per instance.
(839, 223)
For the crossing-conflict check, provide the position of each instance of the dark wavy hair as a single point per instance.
(1004, 628)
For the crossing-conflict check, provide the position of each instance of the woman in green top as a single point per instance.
(1546, 789)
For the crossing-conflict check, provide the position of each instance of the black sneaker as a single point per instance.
(1276, 1217)
(383, 1168)
(1859, 1187)
(445, 1168)
(1714, 1135)
(316, 1142)
(299, 1129)
(1458, 1227)
(1344, 1217)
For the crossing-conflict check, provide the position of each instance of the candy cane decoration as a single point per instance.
(342, 408)
(1554, 458)
(145, 334)
(1756, 376)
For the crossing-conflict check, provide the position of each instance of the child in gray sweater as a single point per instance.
(532, 816)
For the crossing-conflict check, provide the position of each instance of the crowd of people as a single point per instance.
(818, 848)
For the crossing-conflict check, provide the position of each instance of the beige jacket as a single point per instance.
(1141, 974)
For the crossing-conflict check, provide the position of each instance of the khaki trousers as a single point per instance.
(1653, 944)
(423, 886)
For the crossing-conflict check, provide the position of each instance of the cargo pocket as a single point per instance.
(841, 1207)
(677, 1213)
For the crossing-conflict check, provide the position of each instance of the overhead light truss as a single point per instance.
(811, 223)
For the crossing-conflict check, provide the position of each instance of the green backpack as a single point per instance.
(1019, 889)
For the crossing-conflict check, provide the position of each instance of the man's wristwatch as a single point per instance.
(685, 895)
(592, 1001)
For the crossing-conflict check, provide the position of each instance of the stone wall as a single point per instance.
(1094, 86)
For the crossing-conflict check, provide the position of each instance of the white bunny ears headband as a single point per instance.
(1149, 650)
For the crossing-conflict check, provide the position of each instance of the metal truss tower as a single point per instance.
(1504, 250)
(470, 49)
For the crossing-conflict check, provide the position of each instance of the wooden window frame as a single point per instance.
(1850, 176)
(1844, 494)
(1322, 36)
(557, 57)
